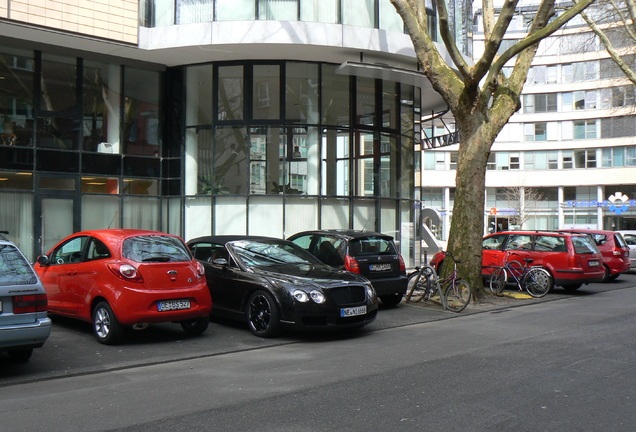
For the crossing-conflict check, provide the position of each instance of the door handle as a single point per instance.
(72, 272)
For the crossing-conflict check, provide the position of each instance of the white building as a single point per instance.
(574, 140)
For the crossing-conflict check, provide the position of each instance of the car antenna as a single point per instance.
(113, 219)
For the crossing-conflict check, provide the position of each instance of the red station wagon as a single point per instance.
(571, 259)
(119, 278)
(614, 249)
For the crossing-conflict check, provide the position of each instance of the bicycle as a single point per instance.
(533, 279)
(454, 293)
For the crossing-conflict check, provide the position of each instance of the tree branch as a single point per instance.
(609, 47)
(449, 42)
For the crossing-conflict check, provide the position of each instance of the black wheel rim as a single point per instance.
(260, 313)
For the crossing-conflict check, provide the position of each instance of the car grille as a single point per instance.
(348, 295)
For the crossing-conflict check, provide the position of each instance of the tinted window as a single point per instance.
(97, 250)
(519, 242)
(155, 248)
(584, 245)
(371, 246)
(14, 269)
(619, 240)
(494, 242)
(545, 243)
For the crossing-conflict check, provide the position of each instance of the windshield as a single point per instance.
(155, 248)
(14, 269)
(258, 253)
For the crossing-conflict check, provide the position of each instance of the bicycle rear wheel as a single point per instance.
(418, 283)
(537, 282)
(457, 295)
(498, 280)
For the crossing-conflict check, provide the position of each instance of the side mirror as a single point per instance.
(43, 260)
(221, 262)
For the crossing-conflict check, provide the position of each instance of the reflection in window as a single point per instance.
(266, 92)
(335, 97)
(141, 112)
(231, 152)
(301, 92)
(58, 84)
(100, 124)
(230, 95)
(57, 133)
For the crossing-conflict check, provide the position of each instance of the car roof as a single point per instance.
(589, 231)
(223, 239)
(346, 233)
(548, 232)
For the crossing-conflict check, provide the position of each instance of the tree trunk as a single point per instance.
(467, 227)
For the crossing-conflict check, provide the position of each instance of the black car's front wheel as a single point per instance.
(263, 317)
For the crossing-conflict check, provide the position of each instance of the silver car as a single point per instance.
(24, 324)
(630, 238)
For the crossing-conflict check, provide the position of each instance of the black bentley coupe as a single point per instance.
(274, 284)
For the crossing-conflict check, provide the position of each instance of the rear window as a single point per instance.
(372, 246)
(620, 241)
(584, 245)
(155, 248)
(14, 269)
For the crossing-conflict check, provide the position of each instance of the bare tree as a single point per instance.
(481, 99)
(524, 201)
(614, 22)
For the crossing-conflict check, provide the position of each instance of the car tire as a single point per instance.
(391, 300)
(20, 356)
(105, 325)
(606, 274)
(572, 287)
(263, 317)
(195, 326)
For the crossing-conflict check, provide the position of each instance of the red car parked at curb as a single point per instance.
(571, 259)
(117, 278)
(614, 249)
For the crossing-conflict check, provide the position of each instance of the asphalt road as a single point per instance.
(565, 362)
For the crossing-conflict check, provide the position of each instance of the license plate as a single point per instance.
(380, 267)
(593, 263)
(169, 305)
(353, 311)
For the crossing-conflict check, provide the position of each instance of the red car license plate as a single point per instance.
(169, 305)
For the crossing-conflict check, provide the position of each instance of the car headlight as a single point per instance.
(370, 292)
(317, 296)
(301, 296)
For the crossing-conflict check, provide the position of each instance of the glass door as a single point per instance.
(57, 211)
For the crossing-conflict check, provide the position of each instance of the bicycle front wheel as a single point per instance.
(498, 280)
(537, 282)
(457, 295)
(418, 283)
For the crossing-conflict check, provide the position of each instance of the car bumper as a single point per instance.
(24, 336)
(390, 285)
(141, 305)
(327, 318)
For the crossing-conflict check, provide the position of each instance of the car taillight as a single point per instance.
(126, 272)
(200, 270)
(29, 303)
(351, 264)
(617, 252)
(402, 265)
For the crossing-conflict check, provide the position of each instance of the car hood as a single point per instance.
(310, 274)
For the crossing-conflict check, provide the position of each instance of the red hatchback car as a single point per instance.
(571, 259)
(614, 249)
(117, 278)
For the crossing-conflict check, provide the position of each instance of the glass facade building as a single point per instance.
(303, 115)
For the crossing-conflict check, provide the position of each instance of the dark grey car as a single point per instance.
(370, 254)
